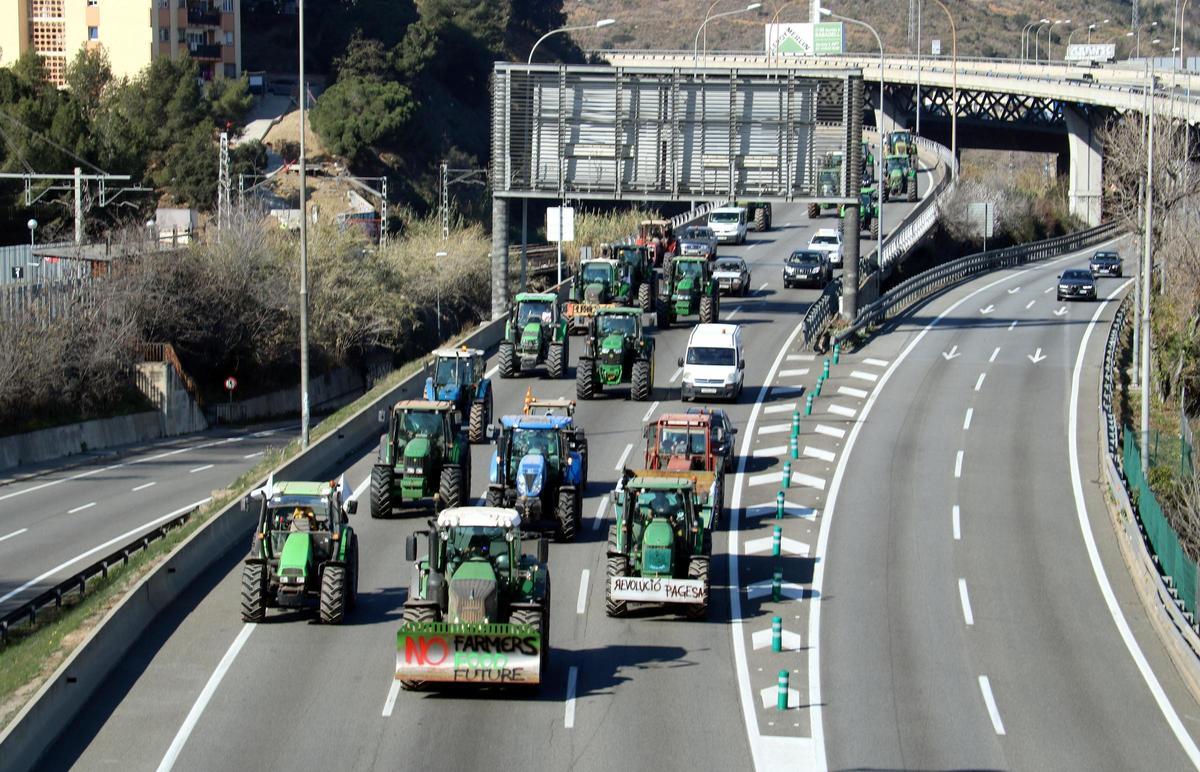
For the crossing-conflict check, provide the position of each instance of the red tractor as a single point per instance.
(699, 441)
(659, 237)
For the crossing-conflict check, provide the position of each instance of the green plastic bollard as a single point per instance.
(779, 505)
(777, 634)
(808, 405)
(776, 541)
(825, 370)
(794, 448)
(817, 388)
(777, 586)
(781, 698)
(787, 474)
(837, 352)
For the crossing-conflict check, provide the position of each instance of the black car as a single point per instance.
(1076, 284)
(698, 240)
(722, 434)
(1105, 264)
(807, 267)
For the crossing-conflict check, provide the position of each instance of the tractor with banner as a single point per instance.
(423, 455)
(599, 282)
(829, 184)
(478, 608)
(899, 177)
(458, 377)
(304, 554)
(534, 334)
(659, 236)
(539, 466)
(617, 350)
(661, 543)
(691, 290)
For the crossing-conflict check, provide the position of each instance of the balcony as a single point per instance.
(205, 53)
(203, 17)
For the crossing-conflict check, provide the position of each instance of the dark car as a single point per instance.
(732, 276)
(698, 240)
(807, 267)
(1105, 264)
(722, 434)
(1076, 284)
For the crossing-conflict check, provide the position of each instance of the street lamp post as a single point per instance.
(1037, 37)
(1147, 247)
(1025, 36)
(1182, 28)
(304, 414)
(919, 4)
(774, 20)
(597, 25)
(1050, 35)
(704, 29)
(953, 86)
(437, 271)
(32, 225)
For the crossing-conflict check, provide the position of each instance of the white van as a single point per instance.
(729, 224)
(713, 365)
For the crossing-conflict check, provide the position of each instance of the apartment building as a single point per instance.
(132, 33)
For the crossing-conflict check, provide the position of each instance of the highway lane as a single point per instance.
(967, 626)
(60, 521)
(321, 693)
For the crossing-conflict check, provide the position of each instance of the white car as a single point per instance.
(729, 224)
(829, 241)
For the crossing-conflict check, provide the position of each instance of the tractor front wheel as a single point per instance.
(912, 189)
(645, 297)
(698, 571)
(708, 309)
(618, 565)
(814, 211)
(567, 514)
(451, 492)
(478, 421)
(254, 592)
(333, 595)
(507, 357)
(494, 497)
(352, 560)
(760, 219)
(556, 360)
(641, 386)
(874, 227)
(383, 478)
(417, 615)
(539, 620)
(585, 379)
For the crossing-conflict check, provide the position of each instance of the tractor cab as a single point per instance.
(597, 280)
(538, 469)
(684, 443)
(421, 430)
(901, 143)
(625, 322)
(455, 370)
(478, 544)
(659, 237)
(538, 309)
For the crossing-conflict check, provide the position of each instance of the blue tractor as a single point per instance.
(458, 377)
(539, 467)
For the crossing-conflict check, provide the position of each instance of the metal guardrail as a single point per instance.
(1107, 388)
(924, 284)
(77, 583)
(821, 312)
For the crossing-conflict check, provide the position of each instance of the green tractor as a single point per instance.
(758, 212)
(868, 212)
(304, 553)
(643, 279)
(901, 143)
(661, 543)
(829, 184)
(423, 455)
(534, 334)
(868, 164)
(616, 351)
(478, 610)
(458, 377)
(691, 290)
(900, 177)
(599, 282)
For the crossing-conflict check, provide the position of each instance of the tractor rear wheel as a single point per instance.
(640, 387)
(254, 592)
(708, 309)
(538, 619)
(416, 615)
(698, 571)
(333, 595)
(478, 421)
(911, 187)
(814, 211)
(451, 491)
(718, 503)
(352, 560)
(556, 360)
(585, 379)
(617, 565)
(507, 357)
(760, 219)
(494, 497)
(567, 514)
(383, 478)
(874, 227)
(583, 455)
(645, 297)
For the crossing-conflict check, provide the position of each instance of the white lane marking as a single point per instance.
(801, 357)
(88, 505)
(829, 431)
(1011, 326)
(14, 533)
(734, 311)
(968, 617)
(624, 455)
(390, 703)
(572, 681)
(955, 523)
(1060, 311)
(967, 419)
(807, 480)
(774, 429)
(876, 362)
(995, 353)
(752, 245)
(1014, 290)
(787, 755)
(495, 369)
(115, 540)
(581, 603)
(850, 391)
(598, 518)
(820, 453)
(859, 374)
(254, 455)
(793, 373)
(986, 687)
(263, 433)
(958, 464)
(678, 372)
(1048, 290)
(210, 688)
(1110, 600)
(200, 468)
(772, 452)
(789, 407)
(842, 411)
(650, 411)
(1030, 304)
(979, 383)
(765, 284)
(987, 310)
(143, 486)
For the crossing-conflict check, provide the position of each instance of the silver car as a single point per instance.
(732, 276)
(697, 240)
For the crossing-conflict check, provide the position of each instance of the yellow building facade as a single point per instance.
(131, 32)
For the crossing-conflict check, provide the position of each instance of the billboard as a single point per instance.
(1090, 52)
(805, 39)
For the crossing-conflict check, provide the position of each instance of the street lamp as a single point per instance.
(597, 25)
(437, 262)
(1037, 36)
(150, 232)
(953, 88)
(1138, 45)
(1092, 27)
(707, 19)
(774, 19)
(304, 414)
(1025, 36)
(1182, 27)
(1050, 35)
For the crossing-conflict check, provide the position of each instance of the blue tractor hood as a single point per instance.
(447, 393)
(531, 475)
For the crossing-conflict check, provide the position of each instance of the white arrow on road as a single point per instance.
(953, 352)
(987, 310)
(1061, 311)
(1036, 357)
(1014, 290)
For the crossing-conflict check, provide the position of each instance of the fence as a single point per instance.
(43, 300)
(17, 264)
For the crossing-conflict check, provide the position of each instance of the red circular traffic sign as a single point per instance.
(230, 383)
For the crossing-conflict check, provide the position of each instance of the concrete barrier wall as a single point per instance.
(331, 390)
(72, 439)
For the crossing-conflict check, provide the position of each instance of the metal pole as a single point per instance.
(524, 242)
(303, 250)
(1146, 266)
(919, 4)
(953, 95)
(78, 205)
